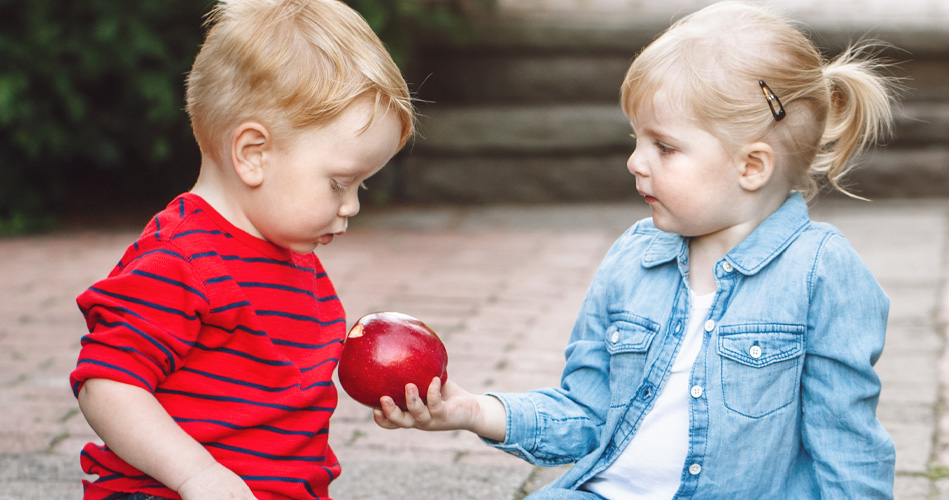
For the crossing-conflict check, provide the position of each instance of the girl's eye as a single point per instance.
(664, 149)
(339, 188)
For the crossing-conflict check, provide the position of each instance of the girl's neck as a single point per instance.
(706, 250)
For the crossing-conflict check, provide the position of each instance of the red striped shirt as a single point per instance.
(237, 339)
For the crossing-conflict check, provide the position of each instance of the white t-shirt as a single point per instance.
(650, 467)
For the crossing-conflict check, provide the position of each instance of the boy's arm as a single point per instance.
(137, 428)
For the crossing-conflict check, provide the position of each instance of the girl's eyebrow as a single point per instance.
(655, 133)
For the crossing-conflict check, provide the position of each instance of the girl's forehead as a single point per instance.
(661, 108)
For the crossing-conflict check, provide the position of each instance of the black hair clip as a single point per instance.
(773, 102)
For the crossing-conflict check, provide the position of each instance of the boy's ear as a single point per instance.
(249, 143)
(756, 166)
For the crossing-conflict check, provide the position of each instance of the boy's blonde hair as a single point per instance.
(289, 64)
(709, 65)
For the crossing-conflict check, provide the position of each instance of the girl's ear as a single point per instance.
(756, 165)
(249, 143)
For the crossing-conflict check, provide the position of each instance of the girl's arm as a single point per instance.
(853, 455)
(449, 409)
(138, 429)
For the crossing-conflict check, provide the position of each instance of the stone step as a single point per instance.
(528, 110)
(597, 128)
(578, 153)
(882, 173)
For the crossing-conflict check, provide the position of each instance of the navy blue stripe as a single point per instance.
(268, 428)
(258, 260)
(170, 281)
(255, 386)
(181, 208)
(215, 232)
(228, 307)
(117, 368)
(231, 399)
(300, 317)
(152, 305)
(304, 482)
(285, 288)
(158, 250)
(301, 345)
(89, 340)
(268, 362)
(269, 456)
(149, 338)
(242, 328)
(321, 363)
(219, 279)
(157, 229)
(115, 474)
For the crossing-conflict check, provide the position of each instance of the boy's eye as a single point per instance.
(339, 188)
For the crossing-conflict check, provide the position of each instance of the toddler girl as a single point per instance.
(726, 346)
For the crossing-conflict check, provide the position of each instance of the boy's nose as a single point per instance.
(350, 206)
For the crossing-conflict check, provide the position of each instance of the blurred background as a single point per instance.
(519, 100)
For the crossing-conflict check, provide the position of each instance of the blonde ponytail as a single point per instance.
(860, 113)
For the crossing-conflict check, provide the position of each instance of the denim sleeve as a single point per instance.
(853, 455)
(561, 425)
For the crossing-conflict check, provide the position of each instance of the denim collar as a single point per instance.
(767, 241)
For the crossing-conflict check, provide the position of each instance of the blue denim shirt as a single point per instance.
(787, 406)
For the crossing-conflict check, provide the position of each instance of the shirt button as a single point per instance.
(615, 337)
(696, 391)
(755, 351)
(709, 325)
(727, 267)
(695, 469)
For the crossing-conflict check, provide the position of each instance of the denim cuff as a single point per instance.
(522, 429)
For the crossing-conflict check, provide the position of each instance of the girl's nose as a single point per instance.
(635, 165)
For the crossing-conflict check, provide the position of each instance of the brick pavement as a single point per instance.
(502, 286)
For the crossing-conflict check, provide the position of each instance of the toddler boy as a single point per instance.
(208, 367)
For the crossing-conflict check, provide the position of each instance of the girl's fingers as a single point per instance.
(415, 406)
(435, 402)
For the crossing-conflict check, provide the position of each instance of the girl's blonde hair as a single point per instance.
(709, 65)
(290, 64)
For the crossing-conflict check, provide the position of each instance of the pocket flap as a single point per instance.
(629, 333)
(760, 345)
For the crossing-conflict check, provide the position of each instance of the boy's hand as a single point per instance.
(215, 483)
(448, 408)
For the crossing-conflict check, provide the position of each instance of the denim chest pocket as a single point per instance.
(627, 341)
(761, 366)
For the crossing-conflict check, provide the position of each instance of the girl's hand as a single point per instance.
(449, 408)
(215, 483)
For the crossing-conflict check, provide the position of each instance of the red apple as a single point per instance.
(386, 350)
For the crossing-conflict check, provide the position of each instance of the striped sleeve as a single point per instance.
(142, 320)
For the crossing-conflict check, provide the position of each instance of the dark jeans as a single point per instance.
(134, 496)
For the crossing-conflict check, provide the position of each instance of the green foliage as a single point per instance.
(90, 99)
(92, 96)
(403, 24)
